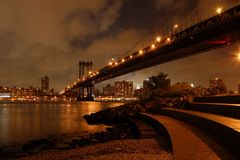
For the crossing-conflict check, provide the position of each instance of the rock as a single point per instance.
(93, 141)
(81, 142)
(109, 129)
(62, 146)
(7, 154)
(38, 145)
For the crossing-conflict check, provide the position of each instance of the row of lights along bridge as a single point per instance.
(159, 41)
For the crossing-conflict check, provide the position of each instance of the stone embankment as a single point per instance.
(115, 115)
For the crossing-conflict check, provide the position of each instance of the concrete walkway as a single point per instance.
(228, 122)
(228, 110)
(187, 145)
(225, 104)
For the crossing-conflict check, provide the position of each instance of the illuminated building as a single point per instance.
(108, 90)
(123, 89)
(96, 92)
(45, 83)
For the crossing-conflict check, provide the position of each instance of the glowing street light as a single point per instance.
(158, 39)
(192, 85)
(110, 63)
(116, 63)
(90, 72)
(238, 56)
(153, 46)
(219, 10)
(123, 60)
(168, 40)
(175, 26)
(140, 52)
(131, 56)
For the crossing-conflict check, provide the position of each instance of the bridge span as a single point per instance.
(218, 31)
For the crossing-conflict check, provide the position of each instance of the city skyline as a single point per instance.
(70, 36)
(119, 79)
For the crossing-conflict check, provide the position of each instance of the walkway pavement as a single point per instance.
(229, 122)
(189, 142)
(224, 104)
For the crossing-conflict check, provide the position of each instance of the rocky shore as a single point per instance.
(127, 149)
(145, 145)
(114, 115)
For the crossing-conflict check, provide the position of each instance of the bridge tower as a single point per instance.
(84, 70)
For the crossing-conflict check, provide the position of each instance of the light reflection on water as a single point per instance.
(20, 122)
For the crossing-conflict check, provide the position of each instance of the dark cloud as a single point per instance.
(40, 38)
(45, 37)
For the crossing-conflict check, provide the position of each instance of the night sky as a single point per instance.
(49, 37)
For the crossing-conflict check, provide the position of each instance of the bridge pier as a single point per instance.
(81, 92)
(89, 93)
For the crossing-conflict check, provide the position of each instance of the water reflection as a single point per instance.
(21, 122)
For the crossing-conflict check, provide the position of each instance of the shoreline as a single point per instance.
(123, 130)
(120, 128)
(146, 145)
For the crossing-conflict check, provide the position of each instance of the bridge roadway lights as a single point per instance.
(89, 94)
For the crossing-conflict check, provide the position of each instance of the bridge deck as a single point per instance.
(187, 144)
(214, 32)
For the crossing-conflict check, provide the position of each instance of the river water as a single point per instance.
(21, 122)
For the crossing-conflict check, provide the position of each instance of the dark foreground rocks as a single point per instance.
(127, 149)
(114, 115)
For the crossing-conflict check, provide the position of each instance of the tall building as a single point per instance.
(123, 89)
(45, 83)
(108, 90)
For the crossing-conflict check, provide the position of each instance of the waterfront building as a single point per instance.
(97, 92)
(108, 90)
(45, 83)
(26, 94)
(123, 89)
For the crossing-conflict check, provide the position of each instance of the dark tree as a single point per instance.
(159, 82)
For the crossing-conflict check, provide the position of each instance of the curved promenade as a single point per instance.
(200, 131)
(188, 141)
